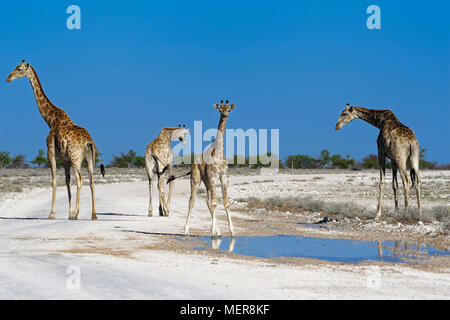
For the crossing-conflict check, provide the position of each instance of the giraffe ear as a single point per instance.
(350, 109)
(216, 106)
(232, 106)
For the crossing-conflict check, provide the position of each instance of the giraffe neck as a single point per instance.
(46, 108)
(377, 118)
(220, 137)
(165, 135)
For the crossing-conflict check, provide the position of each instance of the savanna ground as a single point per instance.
(126, 254)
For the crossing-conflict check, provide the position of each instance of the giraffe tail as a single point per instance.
(412, 172)
(102, 167)
(159, 174)
(171, 178)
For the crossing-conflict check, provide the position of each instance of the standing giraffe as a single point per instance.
(66, 141)
(209, 167)
(159, 155)
(396, 142)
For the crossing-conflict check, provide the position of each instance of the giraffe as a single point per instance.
(209, 167)
(159, 155)
(66, 141)
(396, 142)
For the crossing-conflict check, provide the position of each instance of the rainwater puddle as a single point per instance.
(338, 250)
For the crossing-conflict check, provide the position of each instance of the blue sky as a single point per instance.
(137, 66)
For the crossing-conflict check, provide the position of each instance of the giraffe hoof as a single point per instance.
(51, 216)
(150, 214)
(94, 217)
(216, 234)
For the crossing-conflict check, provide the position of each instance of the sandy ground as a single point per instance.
(127, 255)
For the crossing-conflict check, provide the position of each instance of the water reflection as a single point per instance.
(217, 241)
(320, 248)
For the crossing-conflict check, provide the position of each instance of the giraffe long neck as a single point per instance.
(165, 135)
(377, 118)
(220, 137)
(46, 108)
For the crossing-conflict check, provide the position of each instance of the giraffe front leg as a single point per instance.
(211, 202)
(51, 155)
(149, 165)
(150, 189)
(382, 163)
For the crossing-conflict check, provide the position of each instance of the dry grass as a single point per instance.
(347, 209)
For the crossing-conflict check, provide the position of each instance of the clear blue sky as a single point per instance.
(137, 66)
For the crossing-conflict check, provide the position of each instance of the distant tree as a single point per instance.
(4, 159)
(139, 162)
(130, 158)
(301, 161)
(184, 161)
(370, 161)
(343, 163)
(324, 158)
(119, 162)
(18, 161)
(238, 161)
(260, 163)
(423, 163)
(127, 160)
(40, 158)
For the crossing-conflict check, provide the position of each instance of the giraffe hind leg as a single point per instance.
(226, 203)
(69, 193)
(395, 184)
(51, 155)
(90, 168)
(195, 183)
(79, 179)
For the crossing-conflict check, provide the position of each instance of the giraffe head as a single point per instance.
(20, 71)
(224, 109)
(180, 134)
(347, 115)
